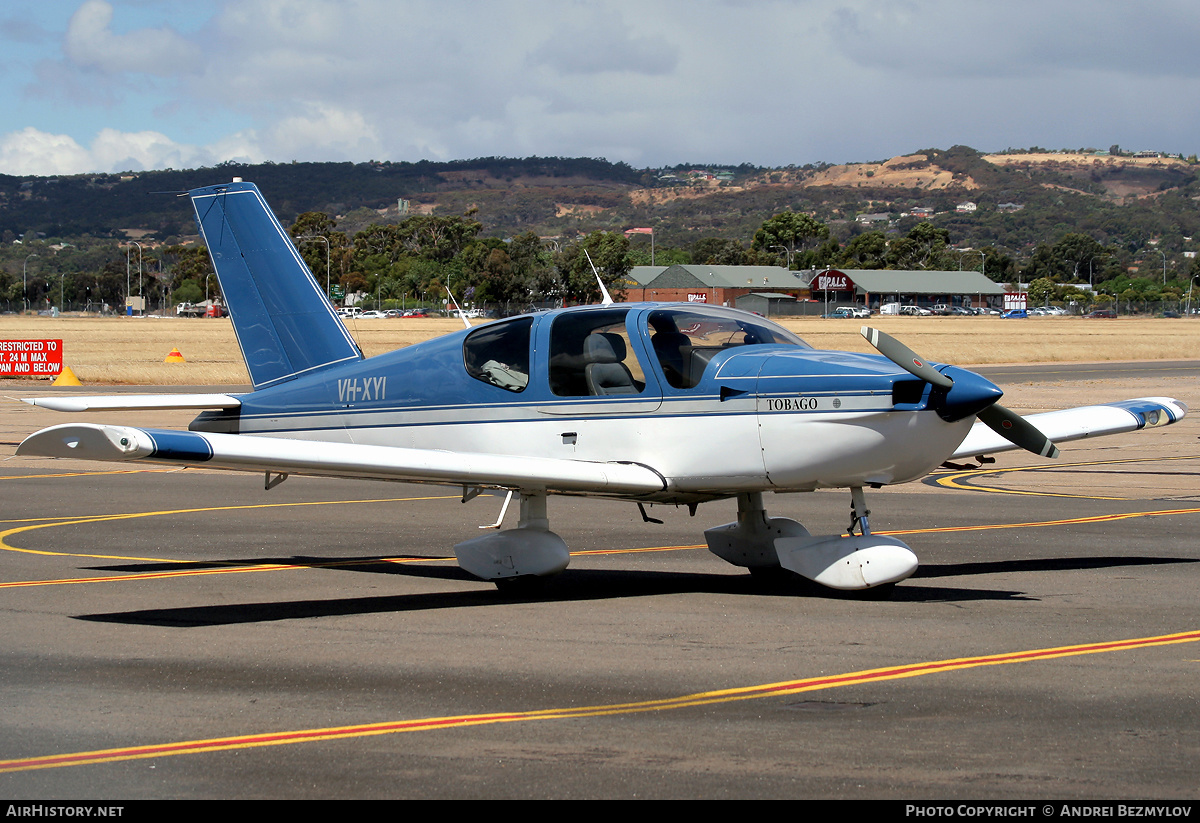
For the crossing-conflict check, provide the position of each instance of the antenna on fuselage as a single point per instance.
(607, 298)
(461, 313)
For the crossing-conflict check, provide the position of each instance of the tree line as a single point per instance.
(425, 257)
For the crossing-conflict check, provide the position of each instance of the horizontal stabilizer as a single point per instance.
(133, 402)
(87, 441)
(1079, 423)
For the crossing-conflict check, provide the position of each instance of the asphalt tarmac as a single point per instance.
(188, 634)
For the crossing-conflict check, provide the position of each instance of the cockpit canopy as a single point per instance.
(685, 340)
(592, 351)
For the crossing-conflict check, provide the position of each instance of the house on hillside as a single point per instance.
(874, 219)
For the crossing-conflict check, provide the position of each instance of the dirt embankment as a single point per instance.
(1120, 177)
(912, 171)
(1083, 161)
(653, 197)
(908, 172)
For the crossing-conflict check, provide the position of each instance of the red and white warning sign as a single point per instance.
(31, 358)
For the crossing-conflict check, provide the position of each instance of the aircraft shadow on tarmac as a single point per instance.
(376, 564)
(581, 585)
(1052, 564)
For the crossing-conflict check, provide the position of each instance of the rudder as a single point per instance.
(285, 324)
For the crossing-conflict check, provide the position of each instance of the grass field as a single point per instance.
(132, 350)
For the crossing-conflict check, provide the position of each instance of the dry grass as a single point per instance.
(131, 350)
(987, 340)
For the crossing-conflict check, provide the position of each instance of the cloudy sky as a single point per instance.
(113, 85)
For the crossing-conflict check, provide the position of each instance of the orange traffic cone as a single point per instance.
(174, 357)
(66, 377)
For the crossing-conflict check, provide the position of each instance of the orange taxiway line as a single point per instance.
(1071, 521)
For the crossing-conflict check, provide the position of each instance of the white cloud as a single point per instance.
(324, 132)
(604, 42)
(121, 151)
(1020, 38)
(760, 81)
(30, 151)
(91, 44)
(33, 152)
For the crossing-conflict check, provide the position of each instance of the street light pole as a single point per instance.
(25, 284)
(1092, 285)
(139, 245)
(787, 253)
(128, 296)
(982, 260)
(1164, 257)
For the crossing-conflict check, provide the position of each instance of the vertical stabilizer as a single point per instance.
(285, 324)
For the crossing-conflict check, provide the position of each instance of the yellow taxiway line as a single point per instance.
(954, 480)
(708, 698)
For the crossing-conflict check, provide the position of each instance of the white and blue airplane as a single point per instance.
(646, 402)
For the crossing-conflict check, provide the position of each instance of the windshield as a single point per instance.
(685, 340)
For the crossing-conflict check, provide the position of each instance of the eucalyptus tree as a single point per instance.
(609, 253)
(789, 232)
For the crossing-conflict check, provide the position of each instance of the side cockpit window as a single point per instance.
(498, 354)
(684, 340)
(590, 355)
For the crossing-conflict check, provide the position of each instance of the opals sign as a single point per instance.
(833, 282)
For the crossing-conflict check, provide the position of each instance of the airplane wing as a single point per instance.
(240, 452)
(134, 402)
(1079, 423)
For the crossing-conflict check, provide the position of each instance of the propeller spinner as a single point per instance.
(980, 399)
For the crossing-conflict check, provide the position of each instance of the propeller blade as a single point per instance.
(1017, 430)
(904, 357)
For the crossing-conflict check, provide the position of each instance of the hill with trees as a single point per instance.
(510, 231)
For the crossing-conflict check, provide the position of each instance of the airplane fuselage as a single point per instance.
(789, 418)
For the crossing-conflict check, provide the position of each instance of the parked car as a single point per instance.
(840, 313)
(1106, 313)
(1015, 314)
